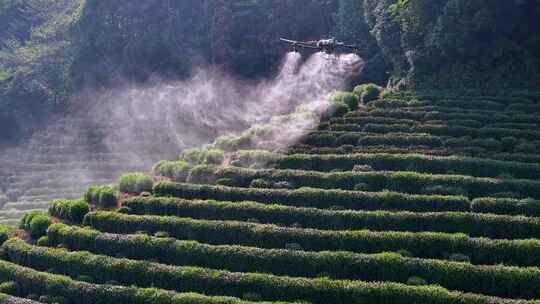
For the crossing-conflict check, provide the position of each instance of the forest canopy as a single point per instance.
(50, 50)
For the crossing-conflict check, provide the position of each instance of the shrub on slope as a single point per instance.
(318, 197)
(493, 280)
(142, 273)
(421, 244)
(486, 225)
(41, 283)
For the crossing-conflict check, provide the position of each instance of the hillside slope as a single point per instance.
(51, 51)
(380, 205)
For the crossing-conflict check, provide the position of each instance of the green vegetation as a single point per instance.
(432, 198)
(421, 185)
(408, 182)
(71, 210)
(134, 183)
(338, 265)
(430, 164)
(319, 198)
(368, 92)
(349, 99)
(104, 196)
(41, 283)
(505, 227)
(175, 170)
(36, 223)
(105, 268)
(422, 244)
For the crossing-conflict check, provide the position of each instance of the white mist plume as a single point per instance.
(133, 126)
(196, 111)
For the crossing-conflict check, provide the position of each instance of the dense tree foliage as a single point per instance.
(458, 43)
(51, 49)
(35, 59)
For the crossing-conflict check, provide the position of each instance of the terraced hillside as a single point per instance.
(410, 199)
(70, 155)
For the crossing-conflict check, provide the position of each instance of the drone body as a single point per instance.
(328, 46)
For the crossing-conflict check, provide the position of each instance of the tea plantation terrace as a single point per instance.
(65, 159)
(406, 199)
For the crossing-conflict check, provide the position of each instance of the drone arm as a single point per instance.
(307, 46)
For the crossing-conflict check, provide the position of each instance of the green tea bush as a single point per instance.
(471, 105)
(321, 140)
(335, 109)
(252, 296)
(516, 157)
(362, 168)
(161, 234)
(5, 233)
(527, 148)
(246, 158)
(177, 171)
(334, 139)
(368, 92)
(38, 225)
(43, 241)
(41, 283)
(124, 210)
(479, 167)
(350, 99)
(10, 287)
(364, 120)
(445, 190)
(231, 143)
(202, 174)
(485, 279)
(376, 128)
(416, 281)
(459, 257)
(71, 210)
(28, 217)
(489, 144)
(135, 183)
(318, 197)
(507, 227)
(420, 244)
(400, 181)
(225, 182)
(401, 114)
(400, 140)
(8, 299)
(528, 207)
(214, 157)
(101, 196)
(193, 156)
(270, 287)
(260, 183)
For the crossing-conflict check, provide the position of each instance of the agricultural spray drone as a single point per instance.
(328, 46)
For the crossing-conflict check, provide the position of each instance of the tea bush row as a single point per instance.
(32, 282)
(488, 225)
(411, 162)
(318, 197)
(219, 282)
(493, 280)
(421, 244)
(405, 181)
